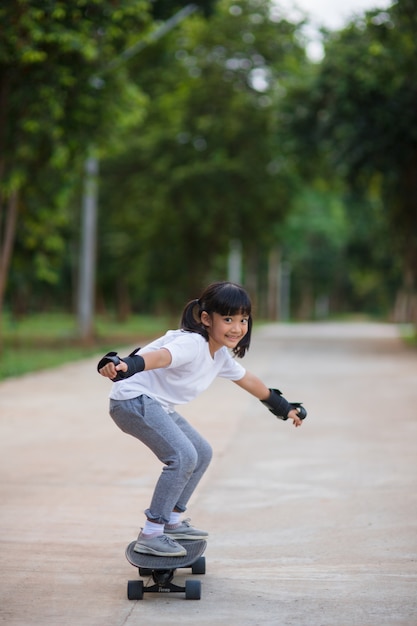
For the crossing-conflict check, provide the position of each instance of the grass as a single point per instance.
(47, 340)
(409, 334)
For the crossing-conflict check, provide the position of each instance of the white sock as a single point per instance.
(174, 518)
(151, 528)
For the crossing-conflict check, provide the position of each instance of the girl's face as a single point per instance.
(224, 330)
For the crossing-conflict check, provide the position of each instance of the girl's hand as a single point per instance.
(110, 369)
(296, 420)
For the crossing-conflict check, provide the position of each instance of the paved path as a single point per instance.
(309, 527)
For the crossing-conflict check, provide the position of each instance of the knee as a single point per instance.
(186, 460)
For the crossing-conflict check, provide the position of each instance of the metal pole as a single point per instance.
(285, 289)
(235, 261)
(86, 287)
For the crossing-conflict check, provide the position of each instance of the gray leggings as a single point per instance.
(184, 452)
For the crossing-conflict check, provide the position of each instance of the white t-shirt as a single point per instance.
(191, 371)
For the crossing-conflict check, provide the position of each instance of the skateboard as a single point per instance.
(162, 568)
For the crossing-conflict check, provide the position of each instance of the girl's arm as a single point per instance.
(151, 361)
(253, 385)
(157, 358)
(257, 388)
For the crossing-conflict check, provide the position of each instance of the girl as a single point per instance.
(173, 370)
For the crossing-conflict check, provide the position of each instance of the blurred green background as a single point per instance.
(148, 148)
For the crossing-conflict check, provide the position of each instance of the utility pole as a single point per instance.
(285, 291)
(87, 261)
(87, 278)
(234, 272)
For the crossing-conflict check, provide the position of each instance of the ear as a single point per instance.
(205, 319)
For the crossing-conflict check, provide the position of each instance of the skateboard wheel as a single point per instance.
(135, 590)
(192, 590)
(199, 566)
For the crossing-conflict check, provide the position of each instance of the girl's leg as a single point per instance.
(204, 456)
(146, 420)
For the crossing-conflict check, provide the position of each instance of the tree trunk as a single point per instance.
(124, 308)
(273, 294)
(405, 308)
(251, 282)
(8, 220)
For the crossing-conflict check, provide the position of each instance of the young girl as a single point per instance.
(173, 370)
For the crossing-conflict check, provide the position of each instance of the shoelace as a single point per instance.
(187, 521)
(169, 540)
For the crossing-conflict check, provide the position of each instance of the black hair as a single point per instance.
(224, 298)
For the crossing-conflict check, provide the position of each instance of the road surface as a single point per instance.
(315, 526)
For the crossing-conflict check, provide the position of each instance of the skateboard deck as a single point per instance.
(162, 569)
(148, 561)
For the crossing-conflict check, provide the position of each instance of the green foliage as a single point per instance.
(48, 57)
(355, 118)
(333, 245)
(50, 111)
(219, 131)
(204, 167)
(316, 235)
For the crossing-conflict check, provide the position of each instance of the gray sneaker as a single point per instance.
(185, 531)
(159, 546)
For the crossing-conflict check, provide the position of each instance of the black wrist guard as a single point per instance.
(277, 404)
(134, 362)
(280, 407)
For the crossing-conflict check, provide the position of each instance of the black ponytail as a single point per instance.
(191, 319)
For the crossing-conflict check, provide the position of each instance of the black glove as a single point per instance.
(135, 364)
(110, 357)
(280, 407)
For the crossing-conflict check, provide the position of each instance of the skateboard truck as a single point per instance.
(163, 584)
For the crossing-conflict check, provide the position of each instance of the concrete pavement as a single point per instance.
(313, 526)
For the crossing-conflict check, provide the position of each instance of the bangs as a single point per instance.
(232, 300)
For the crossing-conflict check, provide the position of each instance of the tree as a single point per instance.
(356, 119)
(50, 110)
(203, 167)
